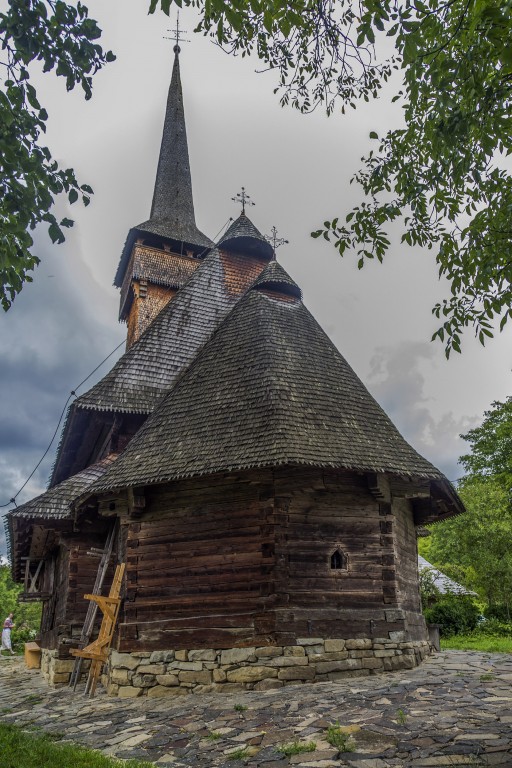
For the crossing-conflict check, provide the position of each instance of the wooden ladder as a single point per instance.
(97, 651)
(93, 608)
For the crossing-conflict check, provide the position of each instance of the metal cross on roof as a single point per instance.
(243, 197)
(176, 34)
(275, 241)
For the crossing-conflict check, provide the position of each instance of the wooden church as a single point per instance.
(262, 502)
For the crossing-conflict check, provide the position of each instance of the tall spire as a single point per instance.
(172, 210)
(172, 197)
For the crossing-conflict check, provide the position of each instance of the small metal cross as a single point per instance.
(275, 241)
(177, 34)
(243, 197)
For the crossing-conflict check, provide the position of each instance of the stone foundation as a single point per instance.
(54, 670)
(176, 673)
(58, 671)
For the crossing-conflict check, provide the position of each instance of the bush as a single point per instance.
(22, 635)
(455, 615)
(497, 611)
(494, 628)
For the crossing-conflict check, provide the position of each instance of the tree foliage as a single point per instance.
(63, 38)
(491, 446)
(27, 616)
(455, 614)
(478, 544)
(443, 175)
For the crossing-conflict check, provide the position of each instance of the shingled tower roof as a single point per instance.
(242, 235)
(275, 278)
(172, 211)
(149, 368)
(268, 389)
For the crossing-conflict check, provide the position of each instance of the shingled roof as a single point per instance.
(441, 581)
(243, 236)
(56, 502)
(172, 211)
(268, 389)
(149, 368)
(275, 278)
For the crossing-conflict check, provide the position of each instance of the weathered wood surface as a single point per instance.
(74, 575)
(246, 558)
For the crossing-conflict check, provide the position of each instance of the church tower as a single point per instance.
(162, 253)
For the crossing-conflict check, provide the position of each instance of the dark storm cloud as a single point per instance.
(58, 329)
(397, 380)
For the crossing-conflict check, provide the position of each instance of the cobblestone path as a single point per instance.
(456, 709)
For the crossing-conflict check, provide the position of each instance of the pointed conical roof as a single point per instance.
(243, 236)
(268, 389)
(275, 279)
(172, 210)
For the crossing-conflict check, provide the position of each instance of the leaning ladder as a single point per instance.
(97, 651)
(93, 607)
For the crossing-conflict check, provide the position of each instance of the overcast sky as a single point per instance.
(297, 170)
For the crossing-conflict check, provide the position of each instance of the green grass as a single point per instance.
(240, 708)
(238, 754)
(20, 749)
(484, 643)
(339, 738)
(214, 736)
(296, 748)
(401, 717)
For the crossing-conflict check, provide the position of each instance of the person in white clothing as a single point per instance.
(6, 634)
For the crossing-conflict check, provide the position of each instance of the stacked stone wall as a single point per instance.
(177, 673)
(57, 671)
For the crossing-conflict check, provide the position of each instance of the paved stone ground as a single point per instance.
(456, 709)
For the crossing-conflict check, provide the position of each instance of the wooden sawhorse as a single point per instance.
(98, 650)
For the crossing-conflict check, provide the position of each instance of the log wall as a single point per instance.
(200, 566)
(407, 580)
(74, 576)
(318, 513)
(245, 560)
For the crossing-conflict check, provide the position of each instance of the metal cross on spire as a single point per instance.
(243, 197)
(176, 34)
(275, 241)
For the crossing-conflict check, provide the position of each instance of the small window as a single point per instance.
(338, 561)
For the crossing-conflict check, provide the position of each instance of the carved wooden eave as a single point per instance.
(410, 487)
(440, 505)
(427, 511)
(34, 539)
(379, 487)
(432, 500)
